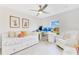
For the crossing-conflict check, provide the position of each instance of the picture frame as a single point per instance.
(25, 23)
(14, 22)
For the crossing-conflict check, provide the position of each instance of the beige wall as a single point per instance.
(68, 20)
(4, 20)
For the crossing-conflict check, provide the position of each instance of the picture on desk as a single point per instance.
(53, 27)
(54, 23)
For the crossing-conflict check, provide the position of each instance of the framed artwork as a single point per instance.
(25, 23)
(14, 22)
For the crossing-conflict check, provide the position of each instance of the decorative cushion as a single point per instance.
(21, 34)
(12, 34)
(70, 35)
(71, 42)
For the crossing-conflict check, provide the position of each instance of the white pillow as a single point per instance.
(71, 42)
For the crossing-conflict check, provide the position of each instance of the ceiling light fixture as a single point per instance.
(40, 12)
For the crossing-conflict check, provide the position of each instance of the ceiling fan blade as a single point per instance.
(40, 6)
(45, 12)
(33, 10)
(44, 7)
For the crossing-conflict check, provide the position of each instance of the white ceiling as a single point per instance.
(52, 8)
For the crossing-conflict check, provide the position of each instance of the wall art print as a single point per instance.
(14, 22)
(25, 23)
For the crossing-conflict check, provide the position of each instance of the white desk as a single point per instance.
(52, 37)
(43, 36)
(48, 36)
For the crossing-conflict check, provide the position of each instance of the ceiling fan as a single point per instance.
(41, 9)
